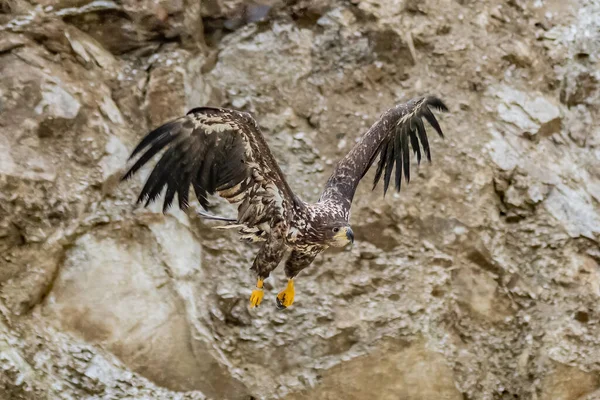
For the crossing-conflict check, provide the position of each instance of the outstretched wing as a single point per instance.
(215, 150)
(389, 138)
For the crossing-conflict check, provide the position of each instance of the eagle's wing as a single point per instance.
(215, 150)
(389, 138)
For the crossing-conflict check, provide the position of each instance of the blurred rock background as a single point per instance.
(480, 280)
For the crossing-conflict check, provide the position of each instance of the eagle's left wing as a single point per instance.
(389, 138)
(215, 150)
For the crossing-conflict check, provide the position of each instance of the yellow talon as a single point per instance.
(286, 297)
(256, 297)
(257, 294)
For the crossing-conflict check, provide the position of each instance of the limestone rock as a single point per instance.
(28, 276)
(566, 383)
(578, 87)
(143, 319)
(394, 371)
(519, 53)
(478, 292)
(533, 116)
(165, 93)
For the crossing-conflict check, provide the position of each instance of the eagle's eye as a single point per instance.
(336, 229)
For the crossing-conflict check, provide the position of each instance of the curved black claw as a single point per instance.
(280, 305)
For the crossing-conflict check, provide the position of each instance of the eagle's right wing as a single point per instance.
(390, 138)
(215, 150)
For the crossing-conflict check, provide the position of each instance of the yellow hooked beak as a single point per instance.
(343, 237)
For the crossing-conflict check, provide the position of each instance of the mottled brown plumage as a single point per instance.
(216, 150)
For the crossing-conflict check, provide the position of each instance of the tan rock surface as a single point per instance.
(391, 372)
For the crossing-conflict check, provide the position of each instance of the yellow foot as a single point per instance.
(286, 297)
(257, 294)
(256, 297)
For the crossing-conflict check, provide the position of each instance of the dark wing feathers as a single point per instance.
(222, 151)
(162, 132)
(410, 128)
(215, 151)
(426, 112)
(391, 139)
(389, 164)
(398, 152)
(159, 143)
(405, 132)
(414, 140)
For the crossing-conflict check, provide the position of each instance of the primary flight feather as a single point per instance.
(222, 151)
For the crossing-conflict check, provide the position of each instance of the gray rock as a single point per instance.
(147, 324)
(531, 115)
(57, 102)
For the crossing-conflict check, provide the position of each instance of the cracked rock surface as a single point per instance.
(480, 280)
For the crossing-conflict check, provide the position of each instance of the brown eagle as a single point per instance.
(217, 150)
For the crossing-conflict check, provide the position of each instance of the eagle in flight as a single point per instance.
(217, 150)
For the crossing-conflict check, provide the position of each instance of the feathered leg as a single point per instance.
(295, 263)
(266, 261)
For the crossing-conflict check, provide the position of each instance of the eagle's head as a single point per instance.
(338, 234)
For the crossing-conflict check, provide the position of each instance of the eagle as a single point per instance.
(222, 151)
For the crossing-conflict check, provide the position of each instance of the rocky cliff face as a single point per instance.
(480, 280)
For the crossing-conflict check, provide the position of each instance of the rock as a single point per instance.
(220, 8)
(478, 292)
(519, 53)
(90, 51)
(171, 19)
(10, 42)
(577, 87)
(395, 370)
(165, 94)
(111, 111)
(198, 91)
(381, 9)
(520, 194)
(165, 348)
(31, 374)
(116, 156)
(577, 123)
(533, 116)
(248, 13)
(32, 277)
(265, 53)
(548, 181)
(57, 103)
(579, 218)
(7, 163)
(113, 30)
(568, 383)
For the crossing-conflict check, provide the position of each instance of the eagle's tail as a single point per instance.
(206, 215)
(250, 234)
